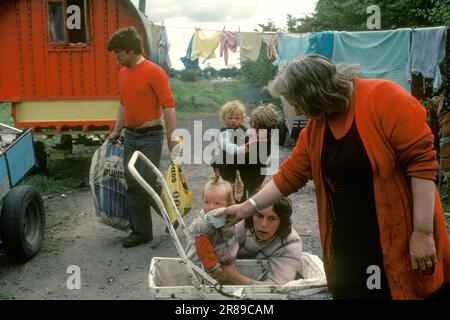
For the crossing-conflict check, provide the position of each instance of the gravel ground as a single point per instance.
(109, 271)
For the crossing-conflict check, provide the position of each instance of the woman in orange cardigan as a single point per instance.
(371, 157)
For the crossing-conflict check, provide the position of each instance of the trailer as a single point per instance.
(179, 278)
(22, 215)
(56, 71)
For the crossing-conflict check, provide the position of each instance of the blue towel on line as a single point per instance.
(188, 63)
(427, 52)
(291, 46)
(321, 43)
(380, 54)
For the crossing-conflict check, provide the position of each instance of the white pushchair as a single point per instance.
(179, 278)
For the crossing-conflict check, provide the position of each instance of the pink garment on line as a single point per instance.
(271, 40)
(228, 41)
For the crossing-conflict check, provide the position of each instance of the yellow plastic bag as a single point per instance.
(179, 190)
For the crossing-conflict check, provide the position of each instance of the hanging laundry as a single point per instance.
(321, 43)
(250, 45)
(427, 52)
(156, 37)
(271, 41)
(380, 54)
(291, 46)
(228, 41)
(163, 50)
(203, 46)
(188, 63)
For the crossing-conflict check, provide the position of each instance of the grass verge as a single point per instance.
(64, 175)
(204, 96)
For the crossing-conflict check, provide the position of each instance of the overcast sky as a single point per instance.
(181, 17)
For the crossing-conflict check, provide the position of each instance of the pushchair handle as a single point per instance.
(132, 168)
(156, 197)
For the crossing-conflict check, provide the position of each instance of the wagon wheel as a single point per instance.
(22, 223)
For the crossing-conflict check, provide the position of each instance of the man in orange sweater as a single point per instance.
(370, 154)
(144, 93)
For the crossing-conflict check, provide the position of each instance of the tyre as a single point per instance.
(283, 131)
(22, 223)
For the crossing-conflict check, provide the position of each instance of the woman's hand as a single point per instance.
(216, 273)
(422, 251)
(267, 196)
(221, 276)
(230, 275)
(236, 212)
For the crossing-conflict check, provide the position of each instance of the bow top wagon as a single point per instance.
(55, 69)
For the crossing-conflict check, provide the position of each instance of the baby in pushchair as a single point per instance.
(214, 245)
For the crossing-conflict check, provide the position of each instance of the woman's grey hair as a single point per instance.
(317, 86)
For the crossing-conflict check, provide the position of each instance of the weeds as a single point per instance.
(64, 175)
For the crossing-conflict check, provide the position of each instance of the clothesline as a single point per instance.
(272, 32)
(215, 30)
(387, 54)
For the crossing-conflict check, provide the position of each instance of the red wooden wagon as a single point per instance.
(55, 69)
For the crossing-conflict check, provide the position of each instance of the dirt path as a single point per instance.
(109, 271)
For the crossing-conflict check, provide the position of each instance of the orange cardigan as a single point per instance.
(399, 144)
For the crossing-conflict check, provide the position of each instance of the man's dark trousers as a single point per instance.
(138, 200)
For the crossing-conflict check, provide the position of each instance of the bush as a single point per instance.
(260, 72)
(190, 75)
(205, 95)
(172, 73)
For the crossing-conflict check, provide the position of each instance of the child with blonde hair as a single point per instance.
(214, 245)
(231, 141)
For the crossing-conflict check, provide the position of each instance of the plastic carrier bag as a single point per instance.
(108, 185)
(176, 182)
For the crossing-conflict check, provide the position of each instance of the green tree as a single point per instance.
(351, 15)
(269, 26)
(190, 75)
(439, 13)
(209, 73)
(172, 73)
(260, 72)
